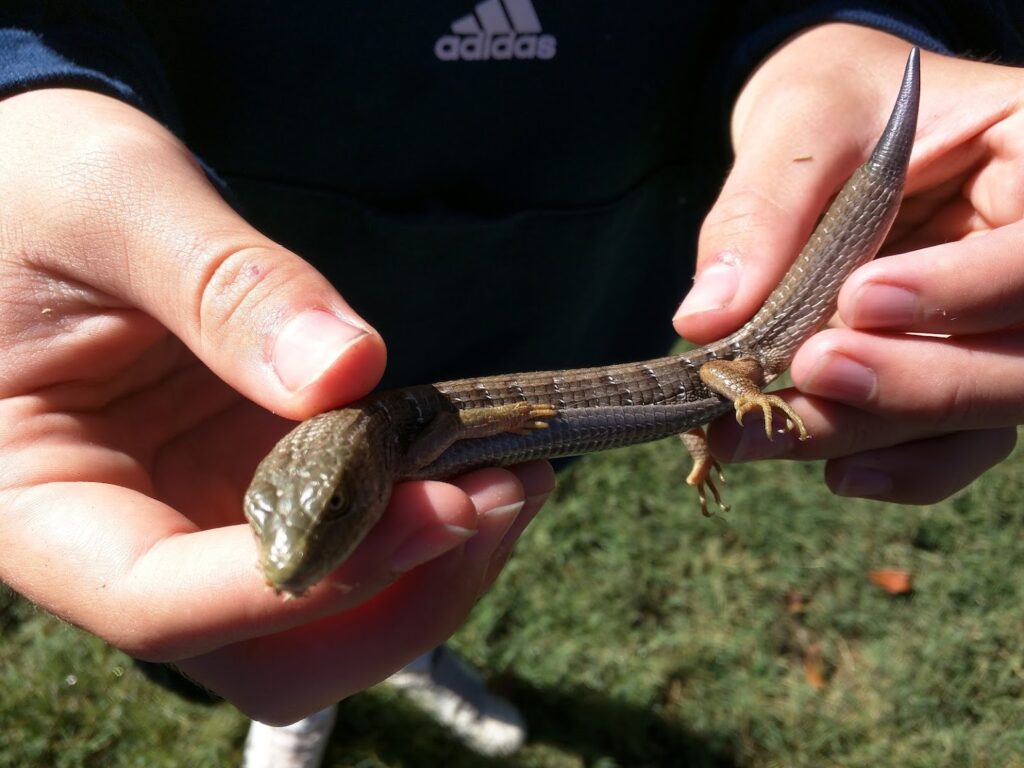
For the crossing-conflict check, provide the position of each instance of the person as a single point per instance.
(485, 201)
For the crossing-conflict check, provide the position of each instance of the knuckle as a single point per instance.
(804, 107)
(108, 177)
(232, 281)
(859, 433)
(930, 470)
(89, 201)
(740, 215)
(81, 164)
(964, 403)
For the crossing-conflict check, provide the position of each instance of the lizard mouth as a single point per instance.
(283, 563)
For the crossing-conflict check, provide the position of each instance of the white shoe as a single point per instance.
(299, 745)
(455, 695)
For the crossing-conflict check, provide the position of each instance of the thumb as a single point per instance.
(147, 227)
(781, 180)
(800, 128)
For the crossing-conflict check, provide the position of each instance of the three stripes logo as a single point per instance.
(497, 29)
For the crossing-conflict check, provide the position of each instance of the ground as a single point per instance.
(631, 631)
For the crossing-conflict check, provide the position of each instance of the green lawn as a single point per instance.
(633, 632)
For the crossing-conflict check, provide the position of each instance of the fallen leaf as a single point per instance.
(796, 603)
(814, 667)
(895, 581)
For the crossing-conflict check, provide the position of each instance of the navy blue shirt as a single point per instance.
(496, 186)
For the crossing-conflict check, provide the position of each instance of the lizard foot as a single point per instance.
(746, 403)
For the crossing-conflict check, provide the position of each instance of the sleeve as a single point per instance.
(95, 45)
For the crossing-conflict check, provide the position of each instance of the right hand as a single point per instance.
(921, 389)
(149, 334)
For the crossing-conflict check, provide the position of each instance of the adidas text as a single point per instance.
(481, 47)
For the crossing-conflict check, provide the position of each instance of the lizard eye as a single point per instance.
(335, 503)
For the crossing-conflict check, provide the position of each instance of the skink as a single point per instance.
(327, 482)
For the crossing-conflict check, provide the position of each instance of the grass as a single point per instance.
(633, 632)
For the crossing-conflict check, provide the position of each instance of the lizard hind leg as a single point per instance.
(740, 381)
(696, 443)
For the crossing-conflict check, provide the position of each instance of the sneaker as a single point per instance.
(455, 695)
(299, 745)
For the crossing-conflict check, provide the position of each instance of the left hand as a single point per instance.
(149, 335)
(900, 416)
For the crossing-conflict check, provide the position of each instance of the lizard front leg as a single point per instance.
(447, 427)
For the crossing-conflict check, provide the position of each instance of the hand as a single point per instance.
(148, 332)
(900, 417)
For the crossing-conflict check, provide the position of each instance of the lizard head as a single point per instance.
(312, 501)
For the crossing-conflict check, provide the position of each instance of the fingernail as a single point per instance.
(838, 377)
(507, 510)
(427, 544)
(714, 288)
(493, 525)
(309, 344)
(884, 306)
(864, 482)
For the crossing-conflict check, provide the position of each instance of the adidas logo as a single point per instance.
(497, 29)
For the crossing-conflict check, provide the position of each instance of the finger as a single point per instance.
(319, 663)
(538, 480)
(499, 498)
(754, 231)
(921, 472)
(133, 218)
(940, 383)
(159, 589)
(795, 146)
(280, 678)
(863, 392)
(967, 287)
(871, 455)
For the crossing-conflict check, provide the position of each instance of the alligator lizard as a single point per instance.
(327, 482)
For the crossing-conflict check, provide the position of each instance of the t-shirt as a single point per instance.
(496, 186)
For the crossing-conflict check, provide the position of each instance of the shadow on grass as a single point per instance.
(565, 728)
(591, 725)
